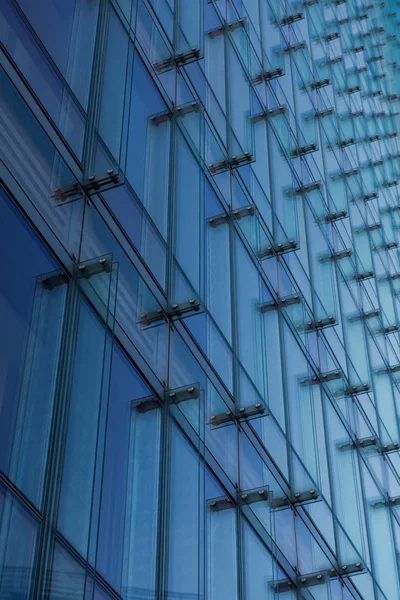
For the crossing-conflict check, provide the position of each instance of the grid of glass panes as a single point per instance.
(218, 182)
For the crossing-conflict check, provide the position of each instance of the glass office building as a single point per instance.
(199, 300)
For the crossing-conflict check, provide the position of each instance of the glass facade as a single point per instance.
(199, 300)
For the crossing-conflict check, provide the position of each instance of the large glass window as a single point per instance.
(31, 321)
(19, 533)
(68, 31)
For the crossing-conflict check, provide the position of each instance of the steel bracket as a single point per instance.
(277, 249)
(322, 378)
(87, 269)
(244, 412)
(297, 498)
(280, 302)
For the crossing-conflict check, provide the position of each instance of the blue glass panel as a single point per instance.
(148, 162)
(18, 542)
(139, 228)
(42, 78)
(39, 169)
(31, 319)
(67, 577)
(114, 82)
(184, 506)
(128, 514)
(68, 31)
(80, 452)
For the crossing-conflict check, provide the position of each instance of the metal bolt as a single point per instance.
(102, 261)
(303, 579)
(192, 301)
(244, 496)
(213, 503)
(344, 568)
(190, 390)
(172, 394)
(241, 409)
(228, 413)
(312, 492)
(261, 492)
(110, 171)
(358, 565)
(319, 576)
(82, 267)
(174, 306)
(258, 405)
(213, 417)
(297, 495)
(333, 570)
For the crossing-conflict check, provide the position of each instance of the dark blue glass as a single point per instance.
(67, 30)
(18, 542)
(31, 323)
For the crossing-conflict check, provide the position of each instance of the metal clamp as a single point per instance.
(369, 314)
(88, 269)
(312, 579)
(230, 163)
(390, 448)
(358, 443)
(353, 390)
(244, 497)
(277, 249)
(337, 255)
(370, 196)
(186, 392)
(53, 280)
(254, 495)
(289, 19)
(345, 143)
(268, 75)
(364, 275)
(235, 215)
(297, 498)
(244, 412)
(321, 378)
(301, 150)
(294, 47)
(319, 324)
(146, 404)
(280, 302)
(269, 113)
(316, 85)
(92, 185)
(335, 216)
(173, 311)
